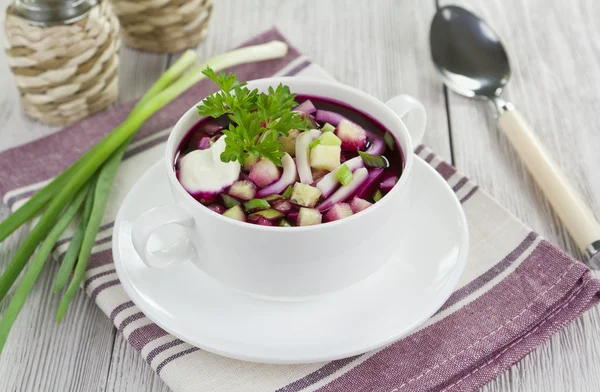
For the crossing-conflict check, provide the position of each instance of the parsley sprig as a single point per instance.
(257, 119)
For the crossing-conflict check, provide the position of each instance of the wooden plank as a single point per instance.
(554, 52)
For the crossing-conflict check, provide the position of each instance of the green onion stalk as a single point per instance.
(88, 183)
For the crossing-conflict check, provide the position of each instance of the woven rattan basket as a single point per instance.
(65, 72)
(163, 26)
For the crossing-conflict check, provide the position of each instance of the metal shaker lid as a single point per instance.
(52, 12)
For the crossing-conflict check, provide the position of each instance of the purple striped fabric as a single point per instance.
(517, 298)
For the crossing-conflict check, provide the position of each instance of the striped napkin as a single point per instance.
(516, 291)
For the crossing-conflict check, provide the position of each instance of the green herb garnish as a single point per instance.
(257, 119)
(344, 175)
(389, 141)
(377, 196)
(374, 160)
(288, 192)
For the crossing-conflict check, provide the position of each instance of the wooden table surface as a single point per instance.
(380, 46)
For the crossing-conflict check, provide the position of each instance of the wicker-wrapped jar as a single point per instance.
(163, 26)
(65, 70)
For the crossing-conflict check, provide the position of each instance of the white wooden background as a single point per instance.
(380, 46)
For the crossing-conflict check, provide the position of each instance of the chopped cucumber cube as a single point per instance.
(272, 198)
(284, 223)
(236, 213)
(305, 195)
(327, 128)
(344, 175)
(256, 205)
(229, 201)
(329, 139)
(267, 214)
(309, 217)
(325, 157)
(249, 162)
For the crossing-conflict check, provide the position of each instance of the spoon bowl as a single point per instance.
(473, 62)
(468, 53)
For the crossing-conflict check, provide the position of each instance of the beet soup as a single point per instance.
(344, 163)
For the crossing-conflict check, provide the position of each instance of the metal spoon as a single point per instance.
(472, 62)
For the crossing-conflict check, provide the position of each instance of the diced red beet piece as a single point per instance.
(293, 216)
(318, 174)
(219, 209)
(264, 173)
(243, 190)
(357, 204)
(206, 199)
(388, 183)
(264, 222)
(353, 137)
(287, 178)
(338, 211)
(282, 206)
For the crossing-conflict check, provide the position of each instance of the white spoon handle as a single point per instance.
(570, 207)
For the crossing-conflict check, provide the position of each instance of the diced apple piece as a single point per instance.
(264, 173)
(289, 142)
(329, 139)
(325, 157)
(236, 212)
(309, 217)
(338, 211)
(305, 195)
(353, 137)
(357, 204)
(243, 190)
(249, 162)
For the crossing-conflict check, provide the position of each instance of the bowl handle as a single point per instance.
(413, 115)
(149, 222)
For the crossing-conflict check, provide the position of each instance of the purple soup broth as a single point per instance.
(207, 130)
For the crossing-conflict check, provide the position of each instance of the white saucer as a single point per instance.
(386, 306)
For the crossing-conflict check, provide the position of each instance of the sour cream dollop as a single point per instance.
(202, 171)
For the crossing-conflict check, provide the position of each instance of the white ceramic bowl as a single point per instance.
(287, 262)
